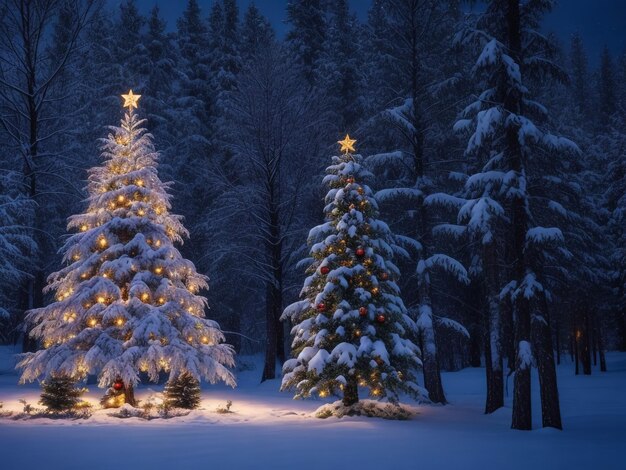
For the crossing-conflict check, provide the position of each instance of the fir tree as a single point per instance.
(60, 394)
(127, 300)
(257, 34)
(183, 392)
(350, 328)
(607, 95)
(307, 34)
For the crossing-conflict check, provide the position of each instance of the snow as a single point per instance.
(268, 429)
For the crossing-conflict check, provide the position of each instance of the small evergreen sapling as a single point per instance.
(60, 394)
(183, 392)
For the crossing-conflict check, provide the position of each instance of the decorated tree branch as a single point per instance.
(351, 328)
(127, 302)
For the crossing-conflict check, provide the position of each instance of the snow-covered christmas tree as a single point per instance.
(350, 328)
(127, 302)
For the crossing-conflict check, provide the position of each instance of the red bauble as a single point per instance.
(324, 270)
(321, 306)
(118, 385)
(363, 311)
(360, 251)
(380, 318)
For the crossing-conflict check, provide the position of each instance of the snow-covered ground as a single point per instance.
(270, 430)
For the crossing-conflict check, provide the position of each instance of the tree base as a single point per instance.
(369, 408)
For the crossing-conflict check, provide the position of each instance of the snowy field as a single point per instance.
(270, 430)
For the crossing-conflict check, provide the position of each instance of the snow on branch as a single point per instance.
(453, 325)
(448, 264)
(444, 200)
(385, 195)
(541, 235)
(384, 159)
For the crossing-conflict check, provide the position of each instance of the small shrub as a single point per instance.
(225, 409)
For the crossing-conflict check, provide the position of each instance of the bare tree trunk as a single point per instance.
(129, 395)
(550, 406)
(557, 335)
(269, 369)
(601, 346)
(351, 392)
(575, 340)
(585, 342)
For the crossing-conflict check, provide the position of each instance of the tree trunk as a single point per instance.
(269, 370)
(350, 392)
(576, 338)
(430, 367)
(601, 347)
(129, 395)
(585, 343)
(557, 335)
(550, 406)
(493, 329)
(493, 359)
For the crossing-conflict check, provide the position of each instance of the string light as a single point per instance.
(158, 270)
(119, 321)
(103, 242)
(101, 299)
(145, 296)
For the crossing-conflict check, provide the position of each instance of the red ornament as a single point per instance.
(321, 306)
(360, 251)
(350, 180)
(384, 276)
(118, 385)
(324, 270)
(380, 318)
(363, 311)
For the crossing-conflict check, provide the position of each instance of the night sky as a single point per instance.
(599, 22)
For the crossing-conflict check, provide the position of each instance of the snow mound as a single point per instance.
(369, 408)
(148, 413)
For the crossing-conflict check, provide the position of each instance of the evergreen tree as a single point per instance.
(422, 28)
(580, 74)
(59, 394)
(127, 300)
(257, 34)
(350, 328)
(607, 103)
(183, 392)
(195, 132)
(307, 34)
(340, 66)
(510, 148)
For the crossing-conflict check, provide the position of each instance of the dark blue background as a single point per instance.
(599, 22)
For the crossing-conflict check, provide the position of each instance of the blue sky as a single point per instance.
(599, 22)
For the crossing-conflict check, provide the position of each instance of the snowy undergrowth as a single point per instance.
(369, 408)
(268, 429)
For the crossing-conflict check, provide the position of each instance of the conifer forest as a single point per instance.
(407, 215)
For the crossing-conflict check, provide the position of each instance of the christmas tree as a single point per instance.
(183, 392)
(351, 326)
(59, 393)
(126, 303)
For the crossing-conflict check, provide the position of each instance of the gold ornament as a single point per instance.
(130, 100)
(347, 145)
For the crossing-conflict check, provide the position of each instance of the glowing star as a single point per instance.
(347, 144)
(130, 100)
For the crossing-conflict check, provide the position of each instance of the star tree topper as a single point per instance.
(130, 100)
(347, 144)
